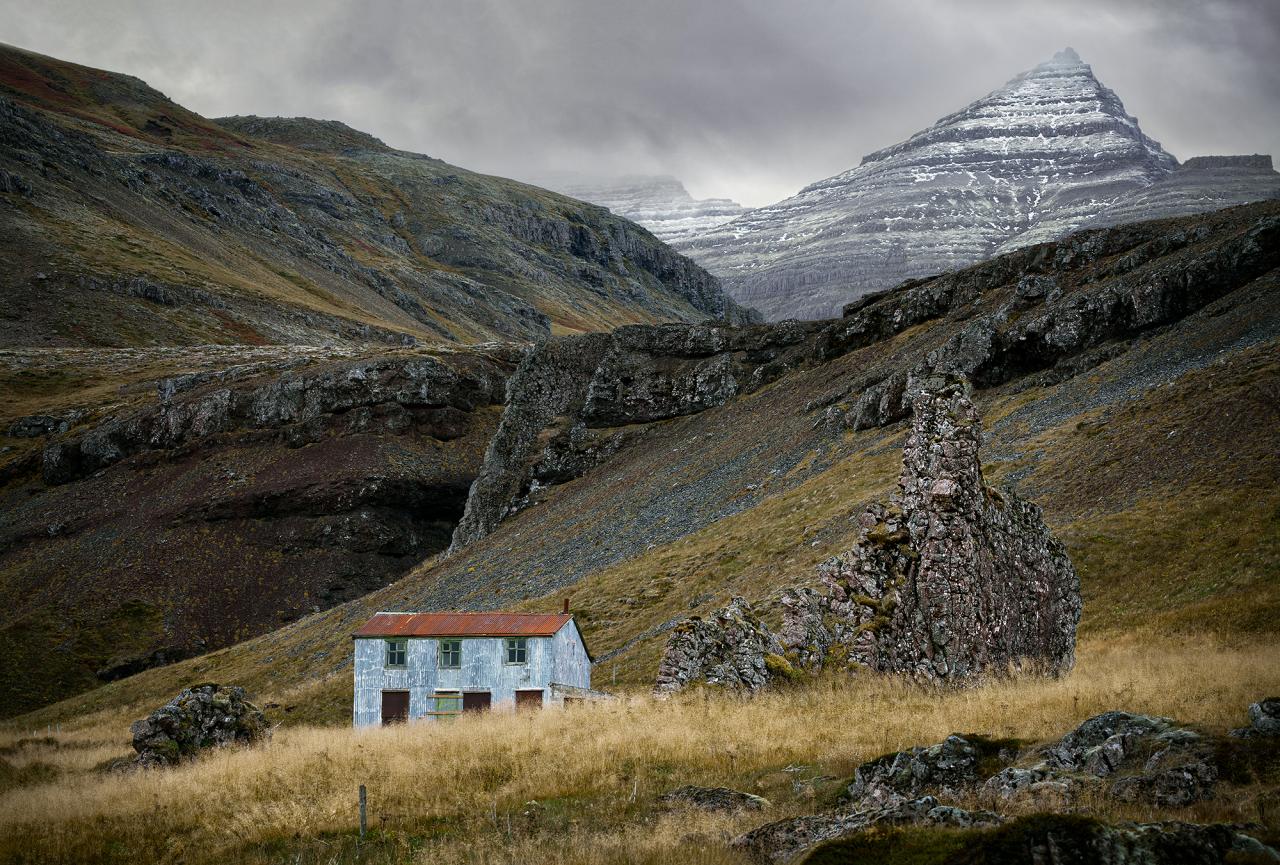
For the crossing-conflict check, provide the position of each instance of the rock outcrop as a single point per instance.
(201, 717)
(1115, 755)
(574, 400)
(1125, 756)
(1264, 719)
(1029, 162)
(951, 580)
(732, 649)
(783, 840)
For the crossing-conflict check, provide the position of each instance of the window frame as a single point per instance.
(441, 651)
(391, 648)
(453, 695)
(518, 645)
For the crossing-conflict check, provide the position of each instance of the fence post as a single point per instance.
(364, 820)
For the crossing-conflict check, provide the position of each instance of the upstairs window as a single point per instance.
(397, 653)
(517, 651)
(450, 654)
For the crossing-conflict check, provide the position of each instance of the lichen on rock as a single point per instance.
(200, 717)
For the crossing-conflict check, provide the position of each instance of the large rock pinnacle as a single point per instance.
(950, 579)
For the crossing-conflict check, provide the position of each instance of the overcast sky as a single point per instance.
(749, 100)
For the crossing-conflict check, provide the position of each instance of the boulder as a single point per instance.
(947, 767)
(731, 649)
(1132, 757)
(202, 716)
(1264, 719)
(714, 799)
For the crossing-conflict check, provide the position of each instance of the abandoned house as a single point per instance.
(432, 665)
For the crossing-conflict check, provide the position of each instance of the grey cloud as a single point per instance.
(741, 98)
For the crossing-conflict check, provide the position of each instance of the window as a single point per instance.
(447, 703)
(517, 651)
(450, 654)
(397, 650)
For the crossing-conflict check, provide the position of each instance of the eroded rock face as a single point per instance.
(202, 716)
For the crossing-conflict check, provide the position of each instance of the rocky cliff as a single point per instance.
(128, 220)
(1027, 163)
(660, 203)
(1045, 313)
(211, 505)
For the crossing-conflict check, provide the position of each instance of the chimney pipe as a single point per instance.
(566, 605)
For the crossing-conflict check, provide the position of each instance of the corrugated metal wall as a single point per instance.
(561, 659)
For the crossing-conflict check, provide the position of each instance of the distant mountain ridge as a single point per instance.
(126, 219)
(658, 202)
(1030, 162)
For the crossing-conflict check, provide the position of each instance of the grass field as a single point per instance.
(578, 785)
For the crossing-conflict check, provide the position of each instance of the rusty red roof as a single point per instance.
(463, 625)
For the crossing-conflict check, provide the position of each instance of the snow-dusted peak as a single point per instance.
(1029, 161)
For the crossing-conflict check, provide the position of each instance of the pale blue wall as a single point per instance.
(561, 659)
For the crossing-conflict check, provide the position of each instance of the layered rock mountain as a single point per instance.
(1026, 163)
(1200, 184)
(658, 202)
(126, 219)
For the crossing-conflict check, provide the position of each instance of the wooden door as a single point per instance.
(395, 707)
(528, 700)
(476, 702)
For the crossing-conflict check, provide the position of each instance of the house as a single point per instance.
(431, 665)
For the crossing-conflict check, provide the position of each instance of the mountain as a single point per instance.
(1200, 184)
(658, 202)
(1026, 163)
(126, 219)
(652, 472)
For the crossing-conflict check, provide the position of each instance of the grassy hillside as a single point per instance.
(127, 220)
(1158, 467)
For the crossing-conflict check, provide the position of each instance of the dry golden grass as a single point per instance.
(459, 792)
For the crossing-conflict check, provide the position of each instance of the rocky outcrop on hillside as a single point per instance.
(950, 580)
(575, 400)
(660, 203)
(1071, 306)
(387, 394)
(1027, 163)
(210, 505)
(1043, 314)
(732, 649)
(201, 717)
(290, 231)
(1112, 756)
